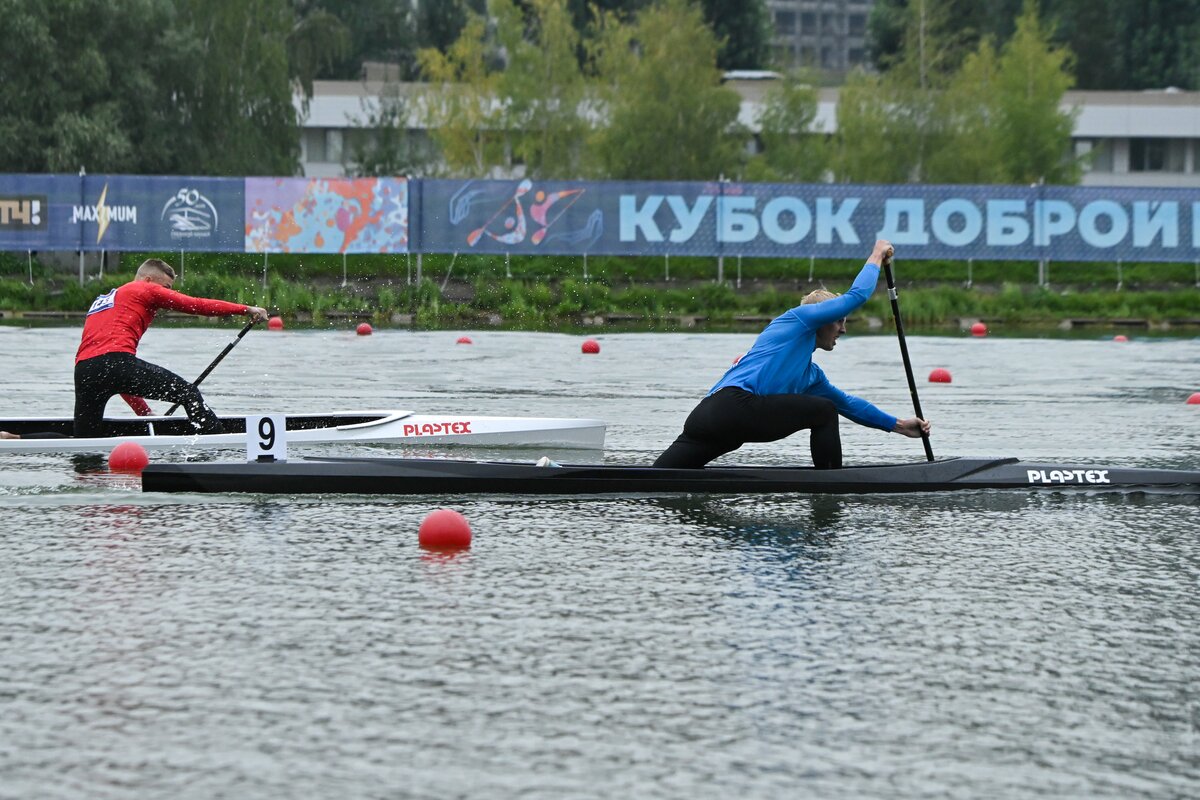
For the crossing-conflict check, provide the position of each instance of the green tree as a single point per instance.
(317, 41)
(794, 149)
(89, 83)
(1130, 44)
(542, 87)
(973, 22)
(384, 146)
(376, 30)
(237, 107)
(869, 146)
(895, 119)
(1034, 134)
(743, 30)
(667, 116)
(969, 148)
(1118, 44)
(585, 12)
(462, 104)
(440, 23)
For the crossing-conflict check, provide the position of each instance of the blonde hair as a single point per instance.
(153, 265)
(817, 296)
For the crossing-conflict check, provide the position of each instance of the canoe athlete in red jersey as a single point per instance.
(106, 363)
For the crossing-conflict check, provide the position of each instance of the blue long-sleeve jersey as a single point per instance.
(780, 361)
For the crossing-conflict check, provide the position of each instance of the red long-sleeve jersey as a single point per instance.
(118, 319)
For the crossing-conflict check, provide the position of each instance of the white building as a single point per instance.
(1149, 138)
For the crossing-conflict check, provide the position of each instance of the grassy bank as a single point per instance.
(552, 293)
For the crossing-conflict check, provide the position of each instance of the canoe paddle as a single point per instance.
(245, 329)
(912, 384)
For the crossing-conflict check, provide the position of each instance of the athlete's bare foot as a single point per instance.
(7, 435)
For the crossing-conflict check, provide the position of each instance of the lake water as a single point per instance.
(965, 645)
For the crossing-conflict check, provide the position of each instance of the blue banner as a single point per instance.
(35, 212)
(549, 217)
(131, 212)
(1059, 223)
(801, 220)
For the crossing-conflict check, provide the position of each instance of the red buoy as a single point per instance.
(275, 323)
(128, 457)
(444, 529)
(464, 340)
(364, 329)
(979, 329)
(939, 375)
(736, 359)
(1120, 337)
(590, 346)
(1194, 399)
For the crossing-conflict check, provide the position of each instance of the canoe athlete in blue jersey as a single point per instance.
(775, 389)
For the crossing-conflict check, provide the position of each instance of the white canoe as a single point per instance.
(395, 427)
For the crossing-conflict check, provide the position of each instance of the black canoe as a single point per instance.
(445, 476)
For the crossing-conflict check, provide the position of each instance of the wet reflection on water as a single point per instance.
(967, 644)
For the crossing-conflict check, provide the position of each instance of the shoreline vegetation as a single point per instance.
(543, 293)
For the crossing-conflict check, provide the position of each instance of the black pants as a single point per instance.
(727, 419)
(98, 379)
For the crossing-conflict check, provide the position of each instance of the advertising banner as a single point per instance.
(326, 215)
(35, 212)
(371, 215)
(136, 212)
(801, 220)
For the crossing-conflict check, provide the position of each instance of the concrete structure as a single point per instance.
(1149, 138)
(825, 34)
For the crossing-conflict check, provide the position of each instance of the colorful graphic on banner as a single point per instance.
(509, 224)
(326, 215)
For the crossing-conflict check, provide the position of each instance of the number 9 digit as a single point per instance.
(266, 433)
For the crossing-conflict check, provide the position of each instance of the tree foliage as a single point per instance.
(743, 30)
(1034, 135)
(371, 30)
(1118, 44)
(440, 23)
(794, 150)
(933, 117)
(462, 105)
(87, 84)
(238, 108)
(667, 116)
(542, 86)
(385, 146)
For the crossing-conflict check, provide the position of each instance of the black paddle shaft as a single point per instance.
(912, 383)
(245, 329)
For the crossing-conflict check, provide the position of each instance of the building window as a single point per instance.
(785, 22)
(857, 56)
(1156, 155)
(333, 145)
(314, 145)
(808, 22)
(1097, 153)
(828, 23)
(858, 24)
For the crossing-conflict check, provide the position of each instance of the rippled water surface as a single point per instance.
(977, 644)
